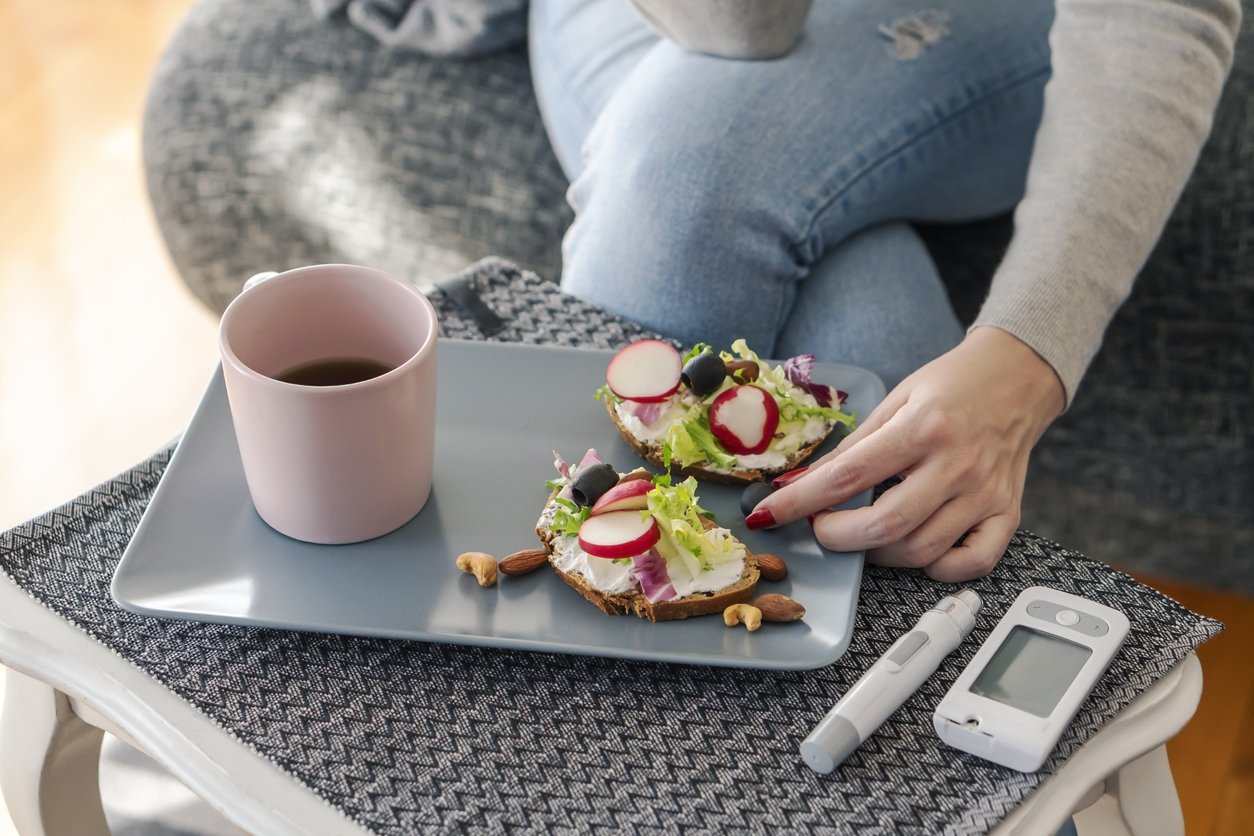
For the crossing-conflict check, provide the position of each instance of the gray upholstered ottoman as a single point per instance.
(273, 139)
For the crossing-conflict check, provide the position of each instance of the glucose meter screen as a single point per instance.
(1031, 670)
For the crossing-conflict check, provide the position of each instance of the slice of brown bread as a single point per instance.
(652, 451)
(633, 601)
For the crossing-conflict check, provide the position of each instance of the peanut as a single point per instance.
(772, 567)
(479, 564)
(522, 562)
(745, 614)
(778, 608)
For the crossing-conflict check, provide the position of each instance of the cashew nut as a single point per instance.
(745, 614)
(479, 564)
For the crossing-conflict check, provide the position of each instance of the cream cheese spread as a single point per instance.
(674, 409)
(609, 576)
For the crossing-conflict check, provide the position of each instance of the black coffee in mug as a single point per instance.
(334, 371)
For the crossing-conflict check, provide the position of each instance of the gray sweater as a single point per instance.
(1130, 102)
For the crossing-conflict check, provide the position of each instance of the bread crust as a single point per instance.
(652, 452)
(633, 601)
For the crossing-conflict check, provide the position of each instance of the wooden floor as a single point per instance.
(1213, 758)
(103, 354)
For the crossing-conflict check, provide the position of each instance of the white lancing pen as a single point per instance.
(891, 681)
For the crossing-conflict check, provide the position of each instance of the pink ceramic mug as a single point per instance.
(332, 461)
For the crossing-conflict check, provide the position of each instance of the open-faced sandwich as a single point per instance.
(722, 416)
(640, 544)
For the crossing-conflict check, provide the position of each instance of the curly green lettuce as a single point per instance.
(684, 539)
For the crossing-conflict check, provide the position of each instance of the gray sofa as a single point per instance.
(273, 139)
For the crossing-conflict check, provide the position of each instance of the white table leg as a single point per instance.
(1147, 795)
(49, 762)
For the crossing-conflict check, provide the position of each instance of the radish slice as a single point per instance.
(625, 496)
(744, 419)
(646, 371)
(618, 534)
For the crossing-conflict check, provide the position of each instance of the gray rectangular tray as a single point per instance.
(201, 551)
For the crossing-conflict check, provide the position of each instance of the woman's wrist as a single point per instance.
(1034, 382)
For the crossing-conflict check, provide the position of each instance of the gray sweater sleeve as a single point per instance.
(1130, 102)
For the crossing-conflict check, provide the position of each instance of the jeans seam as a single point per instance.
(823, 203)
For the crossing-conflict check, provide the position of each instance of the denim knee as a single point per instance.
(672, 228)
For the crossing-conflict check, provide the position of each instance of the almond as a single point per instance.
(522, 562)
(772, 567)
(778, 608)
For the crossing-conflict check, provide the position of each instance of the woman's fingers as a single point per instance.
(929, 541)
(947, 546)
(904, 511)
(959, 432)
(978, 552)
(876, 457)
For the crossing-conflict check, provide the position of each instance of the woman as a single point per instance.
(770, 200)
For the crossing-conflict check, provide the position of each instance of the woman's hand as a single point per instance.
(959, 432)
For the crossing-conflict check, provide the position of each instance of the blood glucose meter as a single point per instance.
(1017, 696)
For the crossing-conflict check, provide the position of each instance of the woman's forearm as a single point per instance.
(1130, 102)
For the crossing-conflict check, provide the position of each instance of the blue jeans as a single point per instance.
(770, 200)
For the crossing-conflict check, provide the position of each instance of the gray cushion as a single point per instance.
(274, 139)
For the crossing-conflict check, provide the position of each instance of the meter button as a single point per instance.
(1067, 618)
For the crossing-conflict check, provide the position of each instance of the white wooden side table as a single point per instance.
(65, 689)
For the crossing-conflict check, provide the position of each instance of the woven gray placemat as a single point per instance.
(407, 736)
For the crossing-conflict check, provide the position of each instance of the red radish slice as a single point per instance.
(744, 419)
(618, 534)
(625, 496)
(646, 371)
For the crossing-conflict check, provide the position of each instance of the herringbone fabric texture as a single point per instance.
(409, 737)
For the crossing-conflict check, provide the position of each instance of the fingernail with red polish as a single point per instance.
(760, 518)
(785, 478)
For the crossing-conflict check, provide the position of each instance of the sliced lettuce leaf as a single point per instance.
(791, 411)
(690, 442)
(742, 350)
(684, 537)
(568, 517)
(694, 351)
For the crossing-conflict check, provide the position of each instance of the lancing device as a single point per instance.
(891, 681)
